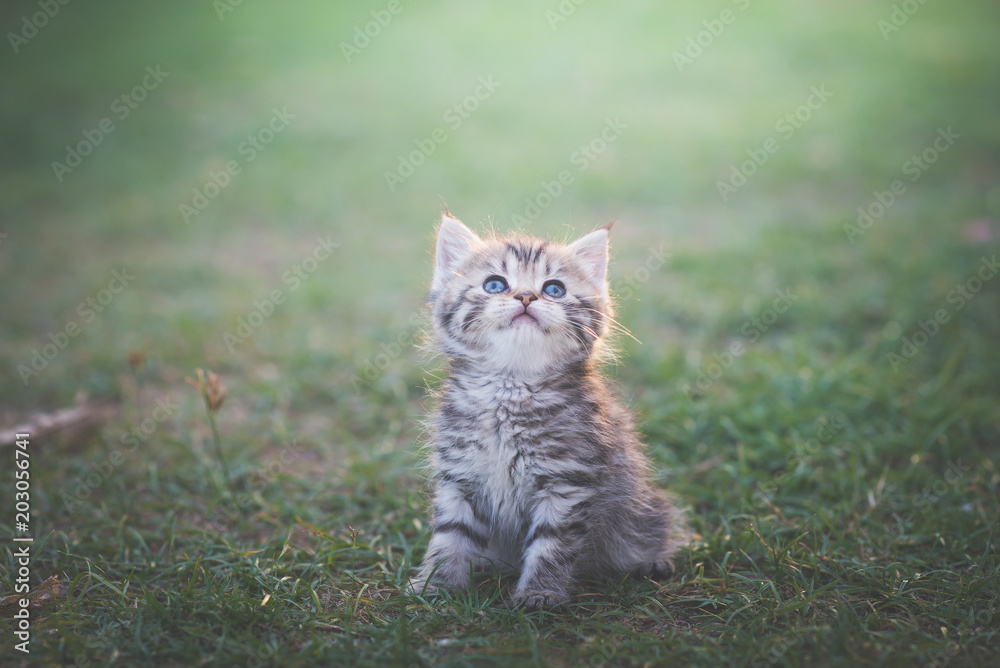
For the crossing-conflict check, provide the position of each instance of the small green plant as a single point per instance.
(214, 394)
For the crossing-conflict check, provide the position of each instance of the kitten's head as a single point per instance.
(518, 303)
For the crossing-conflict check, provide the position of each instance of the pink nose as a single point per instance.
(526, 297)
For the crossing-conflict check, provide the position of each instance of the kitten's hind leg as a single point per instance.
(650, 537)
(656, 570)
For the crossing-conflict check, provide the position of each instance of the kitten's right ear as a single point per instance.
(455, 242)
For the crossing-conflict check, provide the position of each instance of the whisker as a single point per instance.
(617, 326)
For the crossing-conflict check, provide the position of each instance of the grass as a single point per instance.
(843, 511)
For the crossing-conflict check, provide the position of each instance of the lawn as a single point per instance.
(808, 220)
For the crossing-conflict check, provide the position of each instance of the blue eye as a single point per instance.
(495, 284)
(554, 289)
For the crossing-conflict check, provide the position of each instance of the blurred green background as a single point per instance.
(670, 99)
(325, 173)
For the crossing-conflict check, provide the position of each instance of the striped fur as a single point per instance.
(536, 467)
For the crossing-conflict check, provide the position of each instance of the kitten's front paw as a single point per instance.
(434, 587)
(538, 599)
(422, 588)
(435, 584)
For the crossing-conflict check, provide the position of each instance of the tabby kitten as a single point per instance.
(537, 468)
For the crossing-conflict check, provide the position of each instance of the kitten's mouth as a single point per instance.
(524, 319)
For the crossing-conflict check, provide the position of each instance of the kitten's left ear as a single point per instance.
(592, 252)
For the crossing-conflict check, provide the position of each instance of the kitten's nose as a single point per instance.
(526, 297)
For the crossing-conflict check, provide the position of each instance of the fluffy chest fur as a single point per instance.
(503, 437)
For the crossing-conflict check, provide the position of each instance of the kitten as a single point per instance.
(537, 468)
